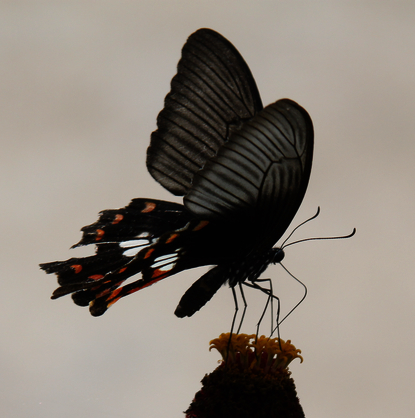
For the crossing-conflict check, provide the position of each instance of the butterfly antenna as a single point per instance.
(277, 327)
(301, 224)
(295, 278)
(318, 238)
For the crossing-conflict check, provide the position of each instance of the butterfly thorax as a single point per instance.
(251, 267)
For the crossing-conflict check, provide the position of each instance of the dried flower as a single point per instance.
(251, 381)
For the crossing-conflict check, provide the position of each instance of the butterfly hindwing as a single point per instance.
(122, 238)
(264, 167)
(172, 253)
(151, 237)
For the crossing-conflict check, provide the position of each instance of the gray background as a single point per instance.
(81, 85)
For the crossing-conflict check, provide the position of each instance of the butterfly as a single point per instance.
(242, 170)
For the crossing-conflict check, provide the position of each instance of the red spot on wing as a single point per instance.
(149, 252)
(113, 301)
(77, 268)
(122, 270)
(115, 293)
(150, 206)
(96, 277)
(118, 218)
(171, 238)
(106, 291)
(200, 225)
(99, 234)
(113, 297)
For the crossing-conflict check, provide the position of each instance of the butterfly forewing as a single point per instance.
(212, 94)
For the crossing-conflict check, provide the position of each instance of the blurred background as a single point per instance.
(81, 85)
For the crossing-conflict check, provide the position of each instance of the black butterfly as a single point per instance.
(243, 171)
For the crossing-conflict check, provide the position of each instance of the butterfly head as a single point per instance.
(278, 255)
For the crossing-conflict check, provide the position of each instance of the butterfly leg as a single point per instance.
(235, 299)
(270, 301)
(245, 306)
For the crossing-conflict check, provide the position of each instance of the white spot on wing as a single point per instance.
(134, 243)
(167, 267)
(135, 246)
(165, 257)
(165, 260)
